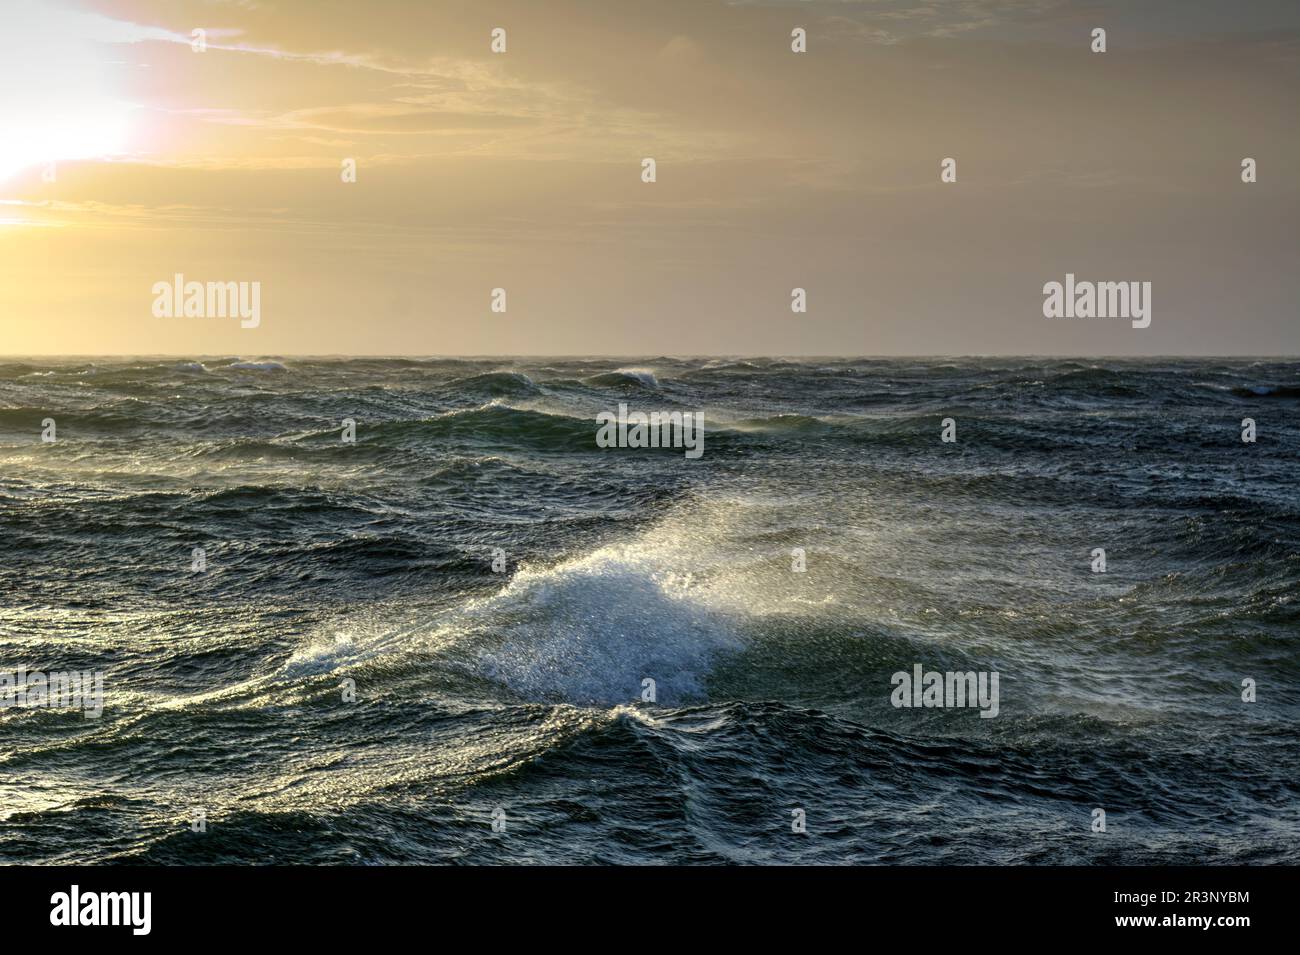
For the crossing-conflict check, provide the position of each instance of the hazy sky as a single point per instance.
(775, 170)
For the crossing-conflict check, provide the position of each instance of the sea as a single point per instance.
(408, 611)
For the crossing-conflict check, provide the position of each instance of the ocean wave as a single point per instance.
(1096, 381)
(778, 424)
(497, 424)
(496, 384)
(589, 631)
(1267, 391)
(258, 366)
(626, 377)
(113, 419)
(699, 585)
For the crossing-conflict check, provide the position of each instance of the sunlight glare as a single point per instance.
(56, 100)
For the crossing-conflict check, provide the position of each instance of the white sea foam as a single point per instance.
(644, 375)
(590, 630)
(667, 605)
(321, 657)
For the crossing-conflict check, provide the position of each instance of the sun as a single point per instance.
(56, 94)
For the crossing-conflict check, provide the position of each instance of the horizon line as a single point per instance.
(641, 356)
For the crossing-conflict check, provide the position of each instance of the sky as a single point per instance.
(128, 157)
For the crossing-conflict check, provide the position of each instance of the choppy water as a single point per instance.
(372, 562)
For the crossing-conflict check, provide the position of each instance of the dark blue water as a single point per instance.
(520, 692)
